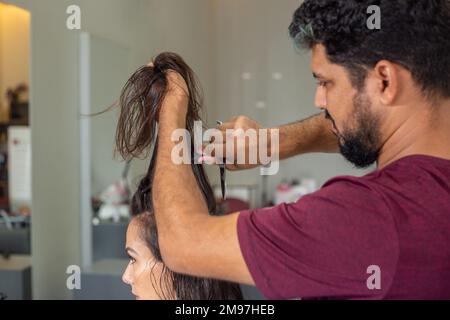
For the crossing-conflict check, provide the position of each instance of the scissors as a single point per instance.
(223, 171)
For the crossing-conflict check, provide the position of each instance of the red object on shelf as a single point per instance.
(4, 203)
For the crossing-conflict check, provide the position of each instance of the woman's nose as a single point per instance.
(127, 276)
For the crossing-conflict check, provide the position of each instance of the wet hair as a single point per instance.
(413, 34)
(136, 137)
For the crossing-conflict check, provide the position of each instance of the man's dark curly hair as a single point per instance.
(414, 34)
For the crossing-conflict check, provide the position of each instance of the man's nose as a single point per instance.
(321, 98)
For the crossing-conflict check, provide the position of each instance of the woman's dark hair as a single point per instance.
(136, 137)
(413, 33)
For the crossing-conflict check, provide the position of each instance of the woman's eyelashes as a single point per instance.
(322, 83)
(131, 258)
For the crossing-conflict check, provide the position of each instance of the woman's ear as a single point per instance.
(387, 76)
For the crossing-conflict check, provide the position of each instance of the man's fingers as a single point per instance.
(230, 124)
(211, 155)
(225, 126)
(213, 161)
(207, 160)
(217, 151)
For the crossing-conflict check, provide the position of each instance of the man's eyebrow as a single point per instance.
(128, 249)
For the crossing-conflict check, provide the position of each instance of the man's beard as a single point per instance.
(361, 145)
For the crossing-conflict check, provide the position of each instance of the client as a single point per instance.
(136, 137)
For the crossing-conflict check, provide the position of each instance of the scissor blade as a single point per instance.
(222, 172)
(222, 181)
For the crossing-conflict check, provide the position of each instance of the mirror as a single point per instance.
(105, 66)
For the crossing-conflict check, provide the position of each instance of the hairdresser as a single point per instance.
(385, 97)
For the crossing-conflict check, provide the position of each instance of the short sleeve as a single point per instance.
(329, 244)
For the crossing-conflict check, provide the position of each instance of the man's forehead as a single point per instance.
(319, 50)
(319, 60)
(322, 67)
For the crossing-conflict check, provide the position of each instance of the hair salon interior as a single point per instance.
(64, 196)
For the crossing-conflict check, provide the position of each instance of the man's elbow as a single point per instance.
(174, 252)
(180, 242)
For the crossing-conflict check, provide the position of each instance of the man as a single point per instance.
(386, 99)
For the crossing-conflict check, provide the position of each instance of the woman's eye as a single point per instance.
(132, 260)
(322, 83)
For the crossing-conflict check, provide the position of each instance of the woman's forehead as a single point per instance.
(134, 240)
(133, 229)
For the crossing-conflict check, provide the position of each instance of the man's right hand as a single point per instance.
(234, 130)
(310, 135)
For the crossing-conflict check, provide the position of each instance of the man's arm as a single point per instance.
(191, 241)
(305, 136)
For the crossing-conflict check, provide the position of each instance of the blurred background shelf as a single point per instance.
(15, 277)
(15, 241)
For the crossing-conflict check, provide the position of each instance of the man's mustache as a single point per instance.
(328, 117)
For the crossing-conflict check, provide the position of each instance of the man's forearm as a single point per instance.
(178, 201)
(307, 136)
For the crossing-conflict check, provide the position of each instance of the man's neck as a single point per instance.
(424, 133)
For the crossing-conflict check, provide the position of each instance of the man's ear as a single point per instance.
(387, 76)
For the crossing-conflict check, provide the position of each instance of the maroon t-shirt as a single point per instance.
(382, 236)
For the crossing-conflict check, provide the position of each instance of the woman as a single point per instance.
(140, 102)
(150, 279)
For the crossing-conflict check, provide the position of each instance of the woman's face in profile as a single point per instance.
(143, 273)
